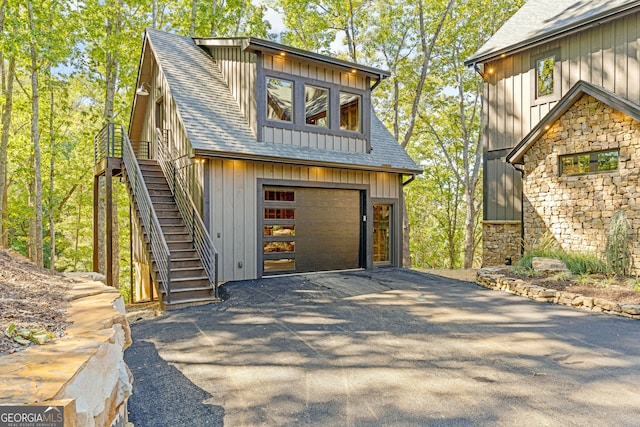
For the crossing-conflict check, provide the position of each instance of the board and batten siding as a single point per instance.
(233, 199)
(160, 97)
(238, 68)
(316, 73)
(607, 55)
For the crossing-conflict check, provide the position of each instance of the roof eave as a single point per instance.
(257, 44)
(560, 32)
(303, 162)
(516, 156)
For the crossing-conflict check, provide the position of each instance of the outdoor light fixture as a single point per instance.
(142, 91)
(479, 68)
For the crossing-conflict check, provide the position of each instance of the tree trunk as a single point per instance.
(469, 228)
(194, 13)
(77, 237)
(427, 51)
(102, 210)
(4, 144)
(4, 239)
(52, 209)
(214, 10)
(406, 230)
(35, 138)
(115, 235)
(154, 14)
(112, 69)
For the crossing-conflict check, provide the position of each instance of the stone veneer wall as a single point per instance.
(576, 210)
(500, 240)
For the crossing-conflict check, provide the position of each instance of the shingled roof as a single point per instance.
(539, 21)
(215, 126)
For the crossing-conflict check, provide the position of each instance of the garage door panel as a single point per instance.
(327, 228)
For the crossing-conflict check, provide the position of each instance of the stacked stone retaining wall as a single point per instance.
(84, 371)
(490, 278)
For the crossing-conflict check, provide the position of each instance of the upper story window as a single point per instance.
(316, 106)
(311, 105)
(350, 107)
(578, 164)
(546, 77)
(279, 99)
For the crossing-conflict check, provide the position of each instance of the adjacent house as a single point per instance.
(271, 156)
(560, 120)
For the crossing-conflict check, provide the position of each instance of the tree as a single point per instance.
(7, 82)
(36, 223)
(452, 115)
(314, 25)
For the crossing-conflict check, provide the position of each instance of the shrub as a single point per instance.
(617, 247)
(578, 263)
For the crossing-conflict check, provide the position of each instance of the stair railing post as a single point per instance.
(169, 278)
(215, 284)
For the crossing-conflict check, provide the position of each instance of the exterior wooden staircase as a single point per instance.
(183, 259)
(189, 282)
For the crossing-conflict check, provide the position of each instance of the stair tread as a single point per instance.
(194, 289)
(186, 279)
(193, 301)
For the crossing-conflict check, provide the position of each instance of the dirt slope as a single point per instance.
(31, 298)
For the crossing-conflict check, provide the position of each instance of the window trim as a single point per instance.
(555, 96)
(591, 162)
(328, 103)
(293, 100)
(299, 121)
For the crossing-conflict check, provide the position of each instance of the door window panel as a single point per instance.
(382, 233)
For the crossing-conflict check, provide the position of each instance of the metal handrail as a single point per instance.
(107, 142)
(140, 194)
(177, 183)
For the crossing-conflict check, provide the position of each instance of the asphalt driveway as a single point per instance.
(387, 347)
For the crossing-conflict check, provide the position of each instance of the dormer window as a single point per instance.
(316, 106)
(279, 99)
(350, 111)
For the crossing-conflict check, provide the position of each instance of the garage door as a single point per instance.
(310, 229)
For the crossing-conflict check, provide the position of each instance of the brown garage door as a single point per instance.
(310, 229)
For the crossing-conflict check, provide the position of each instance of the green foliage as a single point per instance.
(24, 336)
(578, 263)
(617, 247)
(77, 43)
(561, 276)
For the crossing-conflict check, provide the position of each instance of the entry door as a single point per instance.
(382, 234)
(310, 229)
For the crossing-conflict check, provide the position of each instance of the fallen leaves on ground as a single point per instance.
(31, 299)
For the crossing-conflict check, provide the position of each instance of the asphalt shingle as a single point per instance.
(539, 19)
(214, 124)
